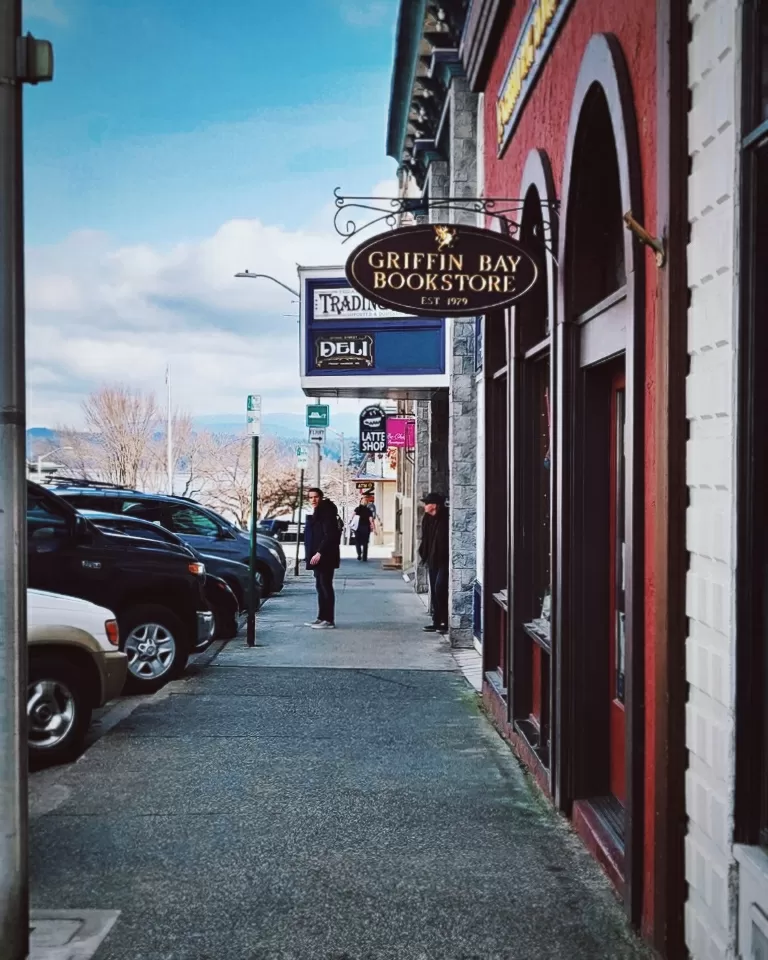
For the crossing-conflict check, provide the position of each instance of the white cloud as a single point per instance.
(101, 313)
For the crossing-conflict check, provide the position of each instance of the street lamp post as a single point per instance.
(41, 459)
(22, 60)
(267, 276)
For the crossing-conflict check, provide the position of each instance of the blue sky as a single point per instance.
(179, 134)
(167, 118)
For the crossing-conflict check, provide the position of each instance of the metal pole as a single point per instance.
(14, 895)
(251, 631)
(170, 431)
(298, 528)
(343, 488)
(319, 447)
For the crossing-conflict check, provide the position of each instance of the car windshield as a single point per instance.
(190, 522)
(136, 529)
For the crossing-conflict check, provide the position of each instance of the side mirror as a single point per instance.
(43, 533)
(225, 534)
(82, 530)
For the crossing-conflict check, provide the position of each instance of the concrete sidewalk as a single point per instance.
(325, 796)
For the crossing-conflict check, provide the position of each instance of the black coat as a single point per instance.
(363, 531)
(435, 546)
(321, 535)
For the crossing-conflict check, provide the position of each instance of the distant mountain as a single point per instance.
(37, 434)
(288, 426)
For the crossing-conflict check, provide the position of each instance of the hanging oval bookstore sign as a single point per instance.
(440, 270)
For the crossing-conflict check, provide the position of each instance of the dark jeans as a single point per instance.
(361, 545)
(326, 598)
(438, 590)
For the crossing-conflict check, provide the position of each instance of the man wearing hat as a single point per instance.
(434, 551)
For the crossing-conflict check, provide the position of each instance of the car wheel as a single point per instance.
(266, 580)
(59, 707)
(157, 647)
(235, 587)
(226, 625)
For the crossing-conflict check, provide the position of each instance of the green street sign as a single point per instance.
(318, 415)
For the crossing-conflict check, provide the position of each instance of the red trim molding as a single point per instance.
(599, 841)
(496, 706)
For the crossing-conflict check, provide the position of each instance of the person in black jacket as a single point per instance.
(363, 529)
(321, 549)
(434, 551)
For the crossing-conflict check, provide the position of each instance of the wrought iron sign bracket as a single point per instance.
(365, 212)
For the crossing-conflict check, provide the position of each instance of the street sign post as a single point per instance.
(253, 416)
(318, 415)
(317, 434)
(253, 422)
(303, 465)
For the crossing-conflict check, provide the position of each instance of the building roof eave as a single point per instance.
(410, 25)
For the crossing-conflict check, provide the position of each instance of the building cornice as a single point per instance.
(485, 23)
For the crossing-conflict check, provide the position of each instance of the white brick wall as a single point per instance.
(710, 913)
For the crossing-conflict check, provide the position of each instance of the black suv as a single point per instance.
(156, 592)
(200, 527)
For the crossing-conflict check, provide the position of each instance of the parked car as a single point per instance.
(274, 528)
(196, 525)
(156, 592)
(74, 666)
(235, 575)
(225, 608)
(225, 594)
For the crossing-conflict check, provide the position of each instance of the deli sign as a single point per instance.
(343, 351)
(437, 270)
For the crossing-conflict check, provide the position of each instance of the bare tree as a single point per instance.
(278, 478)
(189, 449)
(116, 445)
(226, 472)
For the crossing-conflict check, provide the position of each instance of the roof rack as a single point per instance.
(80, 482)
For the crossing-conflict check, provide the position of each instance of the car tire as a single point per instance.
(266, 580)
(234, 586)
(226, 625)
(59, 708)
(157, 646)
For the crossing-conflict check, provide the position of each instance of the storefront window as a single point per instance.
(531, 635)
(763, 61)
(752, 584)
(603, 276)
(619, 543)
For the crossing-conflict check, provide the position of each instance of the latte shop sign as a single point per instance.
(437, 270)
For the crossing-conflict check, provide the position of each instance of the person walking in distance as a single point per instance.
(321, 549)
(434, 552)
(363, 529)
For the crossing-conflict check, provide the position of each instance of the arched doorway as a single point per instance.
(599, 474)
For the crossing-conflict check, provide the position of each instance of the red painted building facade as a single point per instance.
(583, 119)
